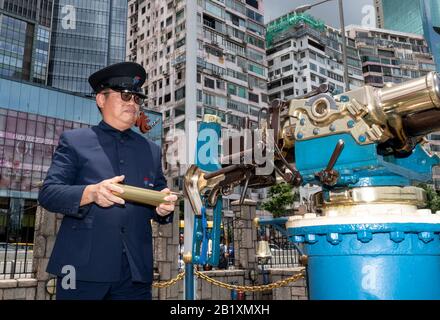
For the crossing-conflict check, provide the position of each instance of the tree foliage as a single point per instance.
(280, 196)
(433, 197)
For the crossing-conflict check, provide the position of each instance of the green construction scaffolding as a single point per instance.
(288, 21)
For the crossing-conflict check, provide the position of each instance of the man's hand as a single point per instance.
(165, 209)
(101, 193)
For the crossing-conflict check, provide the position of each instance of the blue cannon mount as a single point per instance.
(369, 236)
(371, 241)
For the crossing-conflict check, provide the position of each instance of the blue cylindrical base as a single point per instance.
(372, 261)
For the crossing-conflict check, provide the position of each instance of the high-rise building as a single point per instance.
(230, 75)
(303, 53)
(86, 36)
(391, 56)
(25, 28)
(414, 16)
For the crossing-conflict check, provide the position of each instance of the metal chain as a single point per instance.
(257, 288)
(170, 282)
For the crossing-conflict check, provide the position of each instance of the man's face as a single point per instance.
(116, 112)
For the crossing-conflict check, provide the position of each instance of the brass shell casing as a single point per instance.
(140, 195)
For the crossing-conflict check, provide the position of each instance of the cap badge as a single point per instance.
(136, 80)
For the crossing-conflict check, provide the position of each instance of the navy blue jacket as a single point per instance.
(92, 238)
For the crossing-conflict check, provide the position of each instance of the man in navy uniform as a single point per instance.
(105, 241)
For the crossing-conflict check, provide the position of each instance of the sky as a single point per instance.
(360, 12)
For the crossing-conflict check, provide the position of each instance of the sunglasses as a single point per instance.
(127, 95)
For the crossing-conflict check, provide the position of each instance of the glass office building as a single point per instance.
(32, 118)
(86, 36)
(414, 16)
(24, 39)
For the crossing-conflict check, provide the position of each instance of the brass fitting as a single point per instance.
(187, 257)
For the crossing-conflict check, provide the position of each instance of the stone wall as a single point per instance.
(245, 235)
(294, 290)
(18, 289)
(47, 225)
(207, 291)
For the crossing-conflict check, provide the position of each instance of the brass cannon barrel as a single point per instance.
(422, 123)
(143, 196)
(412, 96)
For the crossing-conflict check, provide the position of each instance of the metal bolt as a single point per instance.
(332, 127)
(364, 236)
(397, 236)
(334, 238)
(316, 131)
(302, 121)
(362, 138)
(426, 236)
(345, 99)
(299, 135)
(350, 123)
(311, 238)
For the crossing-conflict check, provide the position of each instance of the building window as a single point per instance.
(287, 68)
(237, 90)
(180, 43)
(180, 15)
(257, 69)
(254, 97)
(255, 41)
(179, 94)
(214, 9)
(275, 96)
(285, 57)
(273, 85)
(210, 83)
(288, 92)
(288, 80)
